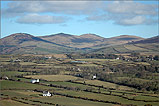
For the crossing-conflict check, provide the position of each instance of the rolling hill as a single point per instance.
(149, 40)
(25, 43)
(22, 43)
(88, 40)
(82, 41)
(122, 39)
(146, 46)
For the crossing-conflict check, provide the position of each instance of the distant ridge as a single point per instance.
(146, 46)
(58, 34)
(88, 40)
(89, 35)
(26, 43)
(126, 38)
(149, 40)
(18, 38)
(66, 43)
(82, 41)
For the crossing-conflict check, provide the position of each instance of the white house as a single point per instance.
(94, 77)
(48, 57)
(16, 60)
(35, 81)
(5, 77)
(78, 69)
(46, 93)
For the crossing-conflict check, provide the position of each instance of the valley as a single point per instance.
(79, 70)
(79, 53)
(121, 80)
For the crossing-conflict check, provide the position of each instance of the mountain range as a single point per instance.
(88, 40)
(23, 43)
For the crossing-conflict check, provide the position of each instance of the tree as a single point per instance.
(135, 54)
(156, 57)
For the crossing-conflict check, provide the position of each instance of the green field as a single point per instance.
(70, 101)
(54, 77)
(72, 84)
(106, 84)
(6, 85)
(24, 90)
(27, 63)
(12, 73)
(110, 98)
(133, 48)
(12, 103)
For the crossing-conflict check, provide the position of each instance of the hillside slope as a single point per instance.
(88, 40)
(148, 46)
(21, 43)
(82, 41)
(122, 39)
(26, 43)
(149, 40)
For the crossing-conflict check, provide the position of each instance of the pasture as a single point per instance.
(8, 102)
(25, 90)
(73, 87)
(106, 84)
(54, 77)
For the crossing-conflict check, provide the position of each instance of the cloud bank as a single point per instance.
(125, 13)
(64, 7)
(128, 13)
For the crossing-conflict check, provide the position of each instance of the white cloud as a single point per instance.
(25, 10)
(128, 13)
(120, 12)
(67, 7)
(124, 20)
(132, 21)
(40, 19)
(131, 7)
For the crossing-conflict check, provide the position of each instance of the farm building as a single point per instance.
(5, 77)
(35, 81)
(94, 77)
(17, 60)
(46, 93)
(48, 57)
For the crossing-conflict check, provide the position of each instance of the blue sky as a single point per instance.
(104, 18)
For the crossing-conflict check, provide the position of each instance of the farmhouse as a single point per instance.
(46, 93)
(94, 77)
(17, 60)
(5, 77)
(48, 57)
(35, 81)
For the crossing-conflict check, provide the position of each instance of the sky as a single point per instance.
(104, 18)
